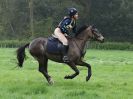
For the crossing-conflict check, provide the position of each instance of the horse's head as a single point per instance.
(89, 32)
(95, 34)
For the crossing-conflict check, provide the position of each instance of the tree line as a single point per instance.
(23, 19)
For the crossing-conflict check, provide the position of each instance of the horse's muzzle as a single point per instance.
(102, 41)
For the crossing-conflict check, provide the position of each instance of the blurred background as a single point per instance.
(23, 20)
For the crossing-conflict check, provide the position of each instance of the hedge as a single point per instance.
(91, 45)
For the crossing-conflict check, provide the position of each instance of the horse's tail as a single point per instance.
(21, 54)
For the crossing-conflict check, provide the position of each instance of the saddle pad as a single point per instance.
(54, 46)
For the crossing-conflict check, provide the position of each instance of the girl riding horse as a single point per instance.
(37, 49)
(63, 29)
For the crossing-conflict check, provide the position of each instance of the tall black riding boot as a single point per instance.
(65, 56)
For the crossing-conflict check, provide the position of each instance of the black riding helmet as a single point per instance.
(72, 11)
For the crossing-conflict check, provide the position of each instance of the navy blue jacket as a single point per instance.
(67, 25)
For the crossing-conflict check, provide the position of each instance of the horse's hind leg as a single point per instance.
(73, 66)
(43, 69)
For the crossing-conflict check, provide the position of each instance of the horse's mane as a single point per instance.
(81, 29)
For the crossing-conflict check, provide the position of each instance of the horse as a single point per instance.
(38, 49)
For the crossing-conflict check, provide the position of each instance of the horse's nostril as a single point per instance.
(102, 40)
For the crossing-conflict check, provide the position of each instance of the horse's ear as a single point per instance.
(93, 26)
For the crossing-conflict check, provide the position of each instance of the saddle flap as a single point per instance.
(54, 45)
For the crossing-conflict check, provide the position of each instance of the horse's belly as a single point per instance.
(54, 57)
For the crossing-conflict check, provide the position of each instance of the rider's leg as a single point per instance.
(64, 52)
(64, 41)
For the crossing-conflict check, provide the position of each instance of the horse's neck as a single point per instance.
(81, 40)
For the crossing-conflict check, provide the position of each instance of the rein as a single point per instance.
(81, 52)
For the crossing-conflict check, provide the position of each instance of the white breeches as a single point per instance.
(58, 34)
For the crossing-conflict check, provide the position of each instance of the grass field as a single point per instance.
(112, 78)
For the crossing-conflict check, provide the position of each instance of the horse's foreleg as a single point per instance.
(43, 69)
(89, 69)
(73, 66)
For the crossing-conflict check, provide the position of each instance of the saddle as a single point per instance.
(54, 46)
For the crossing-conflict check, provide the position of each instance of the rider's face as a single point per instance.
(76, 16)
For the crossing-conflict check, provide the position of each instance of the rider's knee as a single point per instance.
(65, 42)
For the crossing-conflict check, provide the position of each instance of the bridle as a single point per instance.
(95, 35)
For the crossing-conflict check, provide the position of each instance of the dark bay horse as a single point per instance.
(37, 49)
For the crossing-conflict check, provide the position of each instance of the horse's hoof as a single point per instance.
(50, 81)
(87, 78)
(66, 77)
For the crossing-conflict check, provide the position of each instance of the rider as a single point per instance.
(64, 28)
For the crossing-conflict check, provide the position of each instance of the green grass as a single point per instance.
(112, 77)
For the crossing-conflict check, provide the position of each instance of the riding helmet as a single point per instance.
(72, 11)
